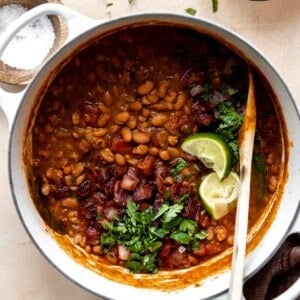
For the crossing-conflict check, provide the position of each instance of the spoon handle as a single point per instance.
(246, 142)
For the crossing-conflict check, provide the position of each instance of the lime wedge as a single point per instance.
(212, 150)
(219, 197)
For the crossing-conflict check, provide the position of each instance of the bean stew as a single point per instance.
(107, 154)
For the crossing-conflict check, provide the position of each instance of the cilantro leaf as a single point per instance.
(215, 5)
(230, 123)
(191, 11)
(172, 212)
(181, 164)
(181, 237)
(143, 233)
(188, 225)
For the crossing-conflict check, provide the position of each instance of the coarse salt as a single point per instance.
(31, 45)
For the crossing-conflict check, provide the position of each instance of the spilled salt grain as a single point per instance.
(31, 44)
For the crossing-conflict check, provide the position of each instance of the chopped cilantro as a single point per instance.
(191, 11)
(142, 233)
(230, 123)
(109, 4)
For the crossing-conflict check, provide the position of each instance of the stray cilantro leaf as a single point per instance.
(109, 4)
(215, 5)
(131, 1)
(191, 11)
(181, 164)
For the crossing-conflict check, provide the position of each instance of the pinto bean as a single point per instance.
(99, 132)
(180, 101)
(46, 189)
(70, 203)
(145, 87)
(75, 118)
(174, 152)
(77, 169)
(173, 140)
(121, 117)
(141, 137)
(164, 155)
(136, 106)
(159, 120)
(120, 159)
(113, 129)
(170, 97)
(103, 120)
(126, 134)
(272, 184)
(140, 149)
(153, 151)
(79, 179)
(152, 97)
(132, 122)
(107, 155)
(221, 233)
(163, 88)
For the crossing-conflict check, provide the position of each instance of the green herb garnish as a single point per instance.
(181, 164)
(109, 4)
(142, 233)
(215, 5)
(230, 123)
(191, 11)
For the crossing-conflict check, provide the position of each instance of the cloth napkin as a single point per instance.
(278, 274)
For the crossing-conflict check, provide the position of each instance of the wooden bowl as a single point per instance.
(16, 76)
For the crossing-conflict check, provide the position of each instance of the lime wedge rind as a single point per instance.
(211, 150)
(219, 197)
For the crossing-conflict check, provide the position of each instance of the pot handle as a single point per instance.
(76, 24)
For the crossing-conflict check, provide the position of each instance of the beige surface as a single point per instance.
(272, 26)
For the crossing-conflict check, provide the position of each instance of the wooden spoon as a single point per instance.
(246, 143)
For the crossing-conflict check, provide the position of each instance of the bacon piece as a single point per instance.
(85, 189)
(92, 234)
(143, 191)
(121, 196)
(146, 165)
(90, 112)
(203, 113)
(192, 77)
(120, 146)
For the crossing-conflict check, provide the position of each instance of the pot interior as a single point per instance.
(127, 45)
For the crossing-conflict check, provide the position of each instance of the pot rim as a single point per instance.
(84, 39)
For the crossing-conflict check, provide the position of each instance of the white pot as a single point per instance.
(81, 31)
